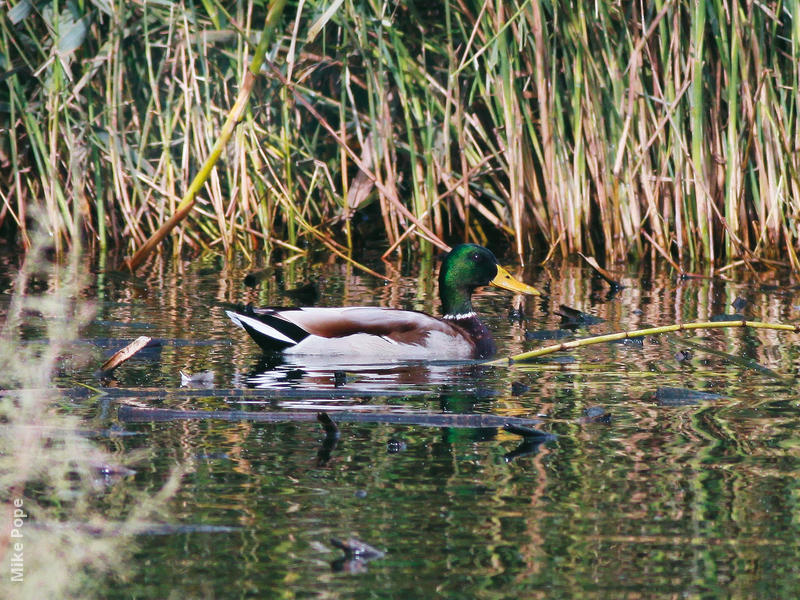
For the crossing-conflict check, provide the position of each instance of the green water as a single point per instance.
(661, 499)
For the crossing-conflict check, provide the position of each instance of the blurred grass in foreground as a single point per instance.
(590, 127)
(66, 525)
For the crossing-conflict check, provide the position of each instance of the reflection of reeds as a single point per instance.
(49, 469)
(601, 129)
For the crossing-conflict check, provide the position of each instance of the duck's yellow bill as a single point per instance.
(504, 280)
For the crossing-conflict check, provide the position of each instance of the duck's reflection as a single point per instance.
(465, 392)
(316, 372)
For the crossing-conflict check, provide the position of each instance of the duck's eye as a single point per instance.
(475, 256)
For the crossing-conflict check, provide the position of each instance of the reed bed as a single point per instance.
(620, 130)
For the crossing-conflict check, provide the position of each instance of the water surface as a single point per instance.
(638, 494)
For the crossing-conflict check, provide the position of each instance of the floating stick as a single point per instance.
(121, 356)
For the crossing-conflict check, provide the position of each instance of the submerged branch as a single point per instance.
(137, 414)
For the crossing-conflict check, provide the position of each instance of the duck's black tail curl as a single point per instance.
(267, 328)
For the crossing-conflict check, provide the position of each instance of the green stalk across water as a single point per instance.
(622, 335)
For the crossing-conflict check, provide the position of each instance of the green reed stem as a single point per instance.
(613, 337)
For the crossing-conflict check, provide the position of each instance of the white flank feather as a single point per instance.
(377, 349)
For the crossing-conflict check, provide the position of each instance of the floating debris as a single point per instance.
(123, 355)
(393, 446)
(356, 555)
(253, 278)
(672, 396)
(739, 303)
(306, 294)
(637, 342)
(353, 547)
(204, 379)
(572, 317)
(110, 471)
(128, 413)
(683, 355)
(596, 414)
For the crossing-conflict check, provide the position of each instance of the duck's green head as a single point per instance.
(470, 266)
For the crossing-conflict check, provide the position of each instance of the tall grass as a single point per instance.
(613, 129)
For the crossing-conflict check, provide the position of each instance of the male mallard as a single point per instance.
(388, 333)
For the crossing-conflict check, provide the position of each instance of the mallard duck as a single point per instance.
(388, 333)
